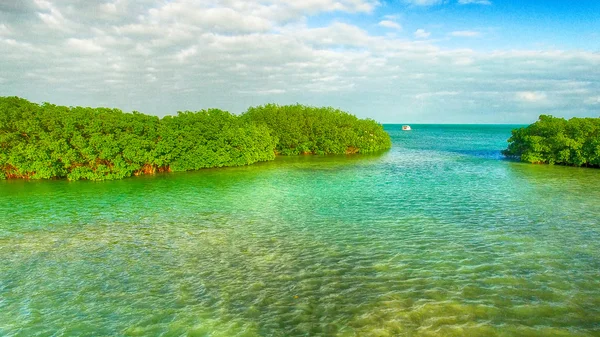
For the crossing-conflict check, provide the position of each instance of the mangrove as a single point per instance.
(552, 140)
(44, 141)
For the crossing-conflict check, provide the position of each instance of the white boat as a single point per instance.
(406, 128)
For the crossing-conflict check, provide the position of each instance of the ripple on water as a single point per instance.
(434, 238)
(215, 278)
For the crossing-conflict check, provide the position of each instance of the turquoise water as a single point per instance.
(438, 237)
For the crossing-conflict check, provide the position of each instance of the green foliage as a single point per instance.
(211, 138)
(308, 130)
(48, 141)
(551, 140)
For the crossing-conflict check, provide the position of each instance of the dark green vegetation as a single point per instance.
(49, 141)
(551, 140)
(308, 130)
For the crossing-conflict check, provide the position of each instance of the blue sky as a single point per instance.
(504, 24)
(403, 61)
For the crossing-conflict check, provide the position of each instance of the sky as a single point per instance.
(395, 61)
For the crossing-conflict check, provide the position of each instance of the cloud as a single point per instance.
(336, 34)
(427, 3)
(428, 95)
(186, 53)
(595, 100)
(17, 7)
(476, 2)
(52, 17)
(83, 46)
(390, 24)
(262, 92)
(5, 30)
(315, 6)
(421, 34)
(160, 56)
(531, 96)
(465, 33)
(424, 2)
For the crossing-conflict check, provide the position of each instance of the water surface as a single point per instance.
(438, 237)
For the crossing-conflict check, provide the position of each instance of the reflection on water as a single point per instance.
(429, 239)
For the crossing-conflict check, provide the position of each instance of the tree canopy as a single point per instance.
(551, 140)
(49, 141)
(308, 130)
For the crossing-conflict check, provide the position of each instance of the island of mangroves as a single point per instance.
(552, 140)
(49, 141)
(46, 141)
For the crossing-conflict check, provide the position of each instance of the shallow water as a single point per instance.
(438, 237)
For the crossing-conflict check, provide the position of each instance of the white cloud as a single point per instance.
(4, 30)
(84, 46)
(421, 34)
(466, 33)
(19, 47)
(424, 2)
(531, 96)
(262, 92)
(160, 56)
(593, 100)
(390, 24)
(53, 17)
(315, 6)
(427, 3)
(109, 8)
(464, 61)
(476, 2)
(186, 53)
(151, 78)
(218, 19)
(335, 34)
(438, 94)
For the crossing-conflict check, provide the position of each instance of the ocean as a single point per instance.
(440, 236)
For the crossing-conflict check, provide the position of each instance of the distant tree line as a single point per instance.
(551, 140)
(49, 141)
